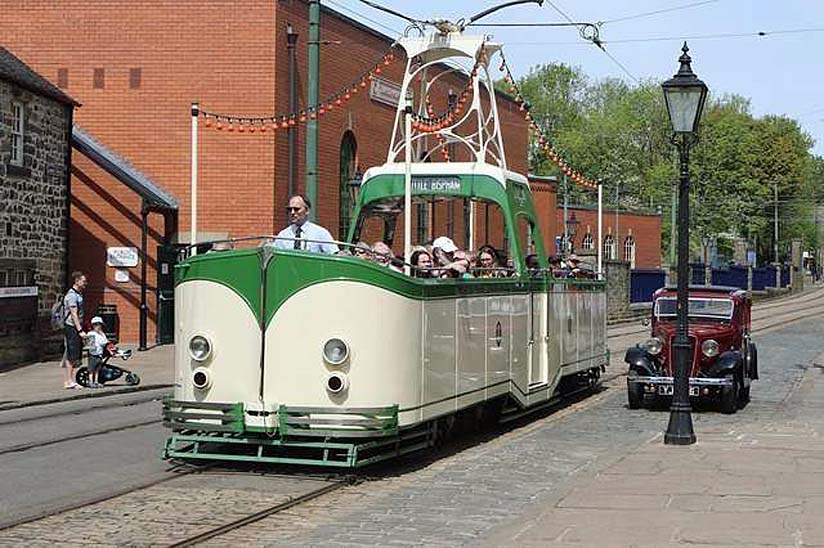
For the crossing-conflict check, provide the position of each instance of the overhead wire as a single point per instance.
(395, 32)
(657, 12)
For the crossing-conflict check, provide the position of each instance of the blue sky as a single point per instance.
(779, 72)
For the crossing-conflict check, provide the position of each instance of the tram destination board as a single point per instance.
(436, 184)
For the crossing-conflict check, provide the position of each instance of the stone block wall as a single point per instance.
(618, 288)
(33, 222)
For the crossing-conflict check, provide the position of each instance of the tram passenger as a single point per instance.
(362, 251)
(489, 263)
(300, 228)
(384, 256)
(422, 264)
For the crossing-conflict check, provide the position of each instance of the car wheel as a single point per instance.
(744, 397)
(729, 396)
(752, 355)
(635, 398)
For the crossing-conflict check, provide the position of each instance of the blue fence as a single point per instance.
(736, 276)
(643, 284)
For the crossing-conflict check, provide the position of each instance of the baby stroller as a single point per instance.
(107, 371)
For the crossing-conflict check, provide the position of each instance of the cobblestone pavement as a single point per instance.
(600, 476)
(163, 514)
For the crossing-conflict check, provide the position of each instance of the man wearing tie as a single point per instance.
(302, 233)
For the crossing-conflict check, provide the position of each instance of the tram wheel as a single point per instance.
(730, 396)
(82, 376)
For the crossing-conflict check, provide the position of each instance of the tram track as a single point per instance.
(262, 514)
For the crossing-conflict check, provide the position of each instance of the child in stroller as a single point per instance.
(107, 372)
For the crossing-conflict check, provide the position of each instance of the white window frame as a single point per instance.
(588, 242)
(17, 133)
(629, 251)
(610, 248)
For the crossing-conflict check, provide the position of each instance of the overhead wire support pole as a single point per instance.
(313, 86)
(600, 249)
(193, 196)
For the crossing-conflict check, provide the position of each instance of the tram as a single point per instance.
(287, 356)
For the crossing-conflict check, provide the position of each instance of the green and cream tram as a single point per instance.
(288, 356)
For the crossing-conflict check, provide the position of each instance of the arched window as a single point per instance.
(610, 253)
(588, 242)
(348, 153)
(629, 251)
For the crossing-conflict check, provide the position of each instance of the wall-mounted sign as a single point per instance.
(11, 292)
(121, 257)
(384, 91)
(121, 275)
(436, 184)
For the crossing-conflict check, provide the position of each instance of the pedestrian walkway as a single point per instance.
(751, 482)
(43, 381)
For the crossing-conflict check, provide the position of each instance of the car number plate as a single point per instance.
(666, 390)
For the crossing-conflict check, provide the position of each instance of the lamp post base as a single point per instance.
(679, 430)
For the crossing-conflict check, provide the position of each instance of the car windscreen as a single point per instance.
(720, 309)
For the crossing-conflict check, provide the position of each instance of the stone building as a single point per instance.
(35, 159)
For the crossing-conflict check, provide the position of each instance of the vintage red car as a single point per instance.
(724, 360)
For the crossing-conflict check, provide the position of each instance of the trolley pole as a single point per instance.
(193, 223)
(312, 101)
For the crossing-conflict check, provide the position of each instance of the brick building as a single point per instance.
(632, 236)
(35, 128)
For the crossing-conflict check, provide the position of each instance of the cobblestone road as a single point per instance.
(487, 493)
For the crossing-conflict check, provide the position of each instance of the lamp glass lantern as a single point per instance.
(685, 96)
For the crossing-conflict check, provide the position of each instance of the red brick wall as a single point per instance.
(644, 229)
(231, 60)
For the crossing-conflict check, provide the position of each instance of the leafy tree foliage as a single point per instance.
(620, 133)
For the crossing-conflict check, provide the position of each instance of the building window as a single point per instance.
(20, 278)
(348, 166)
(17, 124)
(629, 251)
(99, 78)
(135, 78)
(63, 78)
(4, 278)
(610, 253)
(588, 242)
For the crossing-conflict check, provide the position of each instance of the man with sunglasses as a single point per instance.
(303, 234)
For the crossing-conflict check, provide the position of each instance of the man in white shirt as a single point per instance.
(303, 234)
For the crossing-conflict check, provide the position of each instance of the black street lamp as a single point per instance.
(572, 227)
(685, 95)
(354, 186)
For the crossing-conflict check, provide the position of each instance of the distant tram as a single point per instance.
(286, 356)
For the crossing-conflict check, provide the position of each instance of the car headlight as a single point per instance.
(201, 378)
(709, 348)
(653, 346)
(335, 351)
(199, 348)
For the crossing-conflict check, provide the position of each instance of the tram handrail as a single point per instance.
(228, 244)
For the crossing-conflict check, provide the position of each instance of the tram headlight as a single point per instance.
(337, 383)
(335, 351)
(201, 379)
(710, 348)
(200, 348)
(653, 346)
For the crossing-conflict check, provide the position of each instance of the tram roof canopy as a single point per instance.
(434, 169)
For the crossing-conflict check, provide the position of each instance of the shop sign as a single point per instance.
(13, 292)
(121, 257)
(384, 91)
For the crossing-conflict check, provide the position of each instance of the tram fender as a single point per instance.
(727, 363)
(640, 361)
